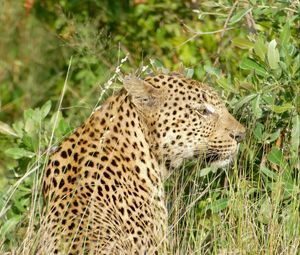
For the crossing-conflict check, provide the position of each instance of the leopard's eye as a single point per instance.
(204, 111)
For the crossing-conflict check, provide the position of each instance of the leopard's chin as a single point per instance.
(215, 160)
(221, 163)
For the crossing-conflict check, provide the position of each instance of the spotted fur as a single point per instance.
(103, 186)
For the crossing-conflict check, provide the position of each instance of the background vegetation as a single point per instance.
(248, 50)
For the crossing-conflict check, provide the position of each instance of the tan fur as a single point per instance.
(103, 186)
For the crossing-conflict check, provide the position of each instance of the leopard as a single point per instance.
(103, 186)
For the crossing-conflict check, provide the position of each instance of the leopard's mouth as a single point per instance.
(214, 159)
(218, 161)
(211, 158)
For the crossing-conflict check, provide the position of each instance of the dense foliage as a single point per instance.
(59, 60)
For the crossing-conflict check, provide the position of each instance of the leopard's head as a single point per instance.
(185, 119)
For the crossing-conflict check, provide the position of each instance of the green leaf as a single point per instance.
(45, 109)
(30, 126)
(244, 101)
(212, 70)
(272, 137)
(32, 121)
(218, 205)
(223, 82)
(275, 156)
(250, 64)
(291, 187)
(256, 106)
(18, 126)
(282, 108)
(295, 135)
(189, 72)
(63, 128)
(268, 98)
(267, 172)
(238, 16)
(273, 55)
(285, 34)
(296, 65)
(22, 204)
(260, 49)
(244, 85)
(258, 131)
(6, 129)
(17, 153)
(265, 213)
(156, 63)
(242, 43)
(10, 225)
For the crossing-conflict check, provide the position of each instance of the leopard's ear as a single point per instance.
(142, 93)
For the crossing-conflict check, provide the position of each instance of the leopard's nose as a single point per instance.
(238, 136)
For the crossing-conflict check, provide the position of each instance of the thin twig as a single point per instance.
(198, 33)
(223, 31)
